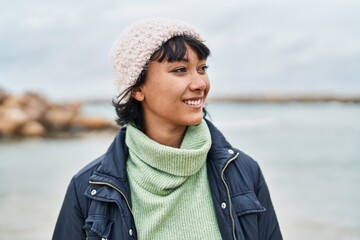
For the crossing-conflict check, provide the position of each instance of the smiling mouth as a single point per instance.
(194, 102)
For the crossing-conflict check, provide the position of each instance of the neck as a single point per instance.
(167, 136)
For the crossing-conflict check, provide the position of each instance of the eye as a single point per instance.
(204, 68)
(179, 70)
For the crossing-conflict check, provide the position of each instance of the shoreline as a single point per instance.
(265, 98)
(286, 98)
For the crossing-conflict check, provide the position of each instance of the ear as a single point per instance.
(138, 94)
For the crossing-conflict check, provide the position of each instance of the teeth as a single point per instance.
(193, 102)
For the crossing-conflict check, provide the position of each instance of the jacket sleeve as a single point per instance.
(268, 224)
(70, 220)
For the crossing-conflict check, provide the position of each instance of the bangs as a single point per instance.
(175, 49)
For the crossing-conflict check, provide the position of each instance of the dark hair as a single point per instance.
(172, 50)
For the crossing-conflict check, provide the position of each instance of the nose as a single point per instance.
(199, 82)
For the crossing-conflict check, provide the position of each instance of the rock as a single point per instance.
(7, 128)
(14, 115)
(11, 119)
(32, 129)
(36, 108)
(15, 101)
(3, 96)
(31, 115)
(59, 117)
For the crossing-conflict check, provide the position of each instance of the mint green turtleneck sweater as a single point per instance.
(170, 191)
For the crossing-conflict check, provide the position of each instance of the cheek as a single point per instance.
(160, 94)
(207, 82)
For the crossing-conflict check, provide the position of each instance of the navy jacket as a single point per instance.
(97, 204)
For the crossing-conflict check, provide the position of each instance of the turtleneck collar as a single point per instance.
(184, 161)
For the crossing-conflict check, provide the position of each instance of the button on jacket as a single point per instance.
(97, 204)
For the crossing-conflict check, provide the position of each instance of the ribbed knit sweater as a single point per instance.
(170, 191)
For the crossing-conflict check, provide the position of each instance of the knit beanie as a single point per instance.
(134, 47)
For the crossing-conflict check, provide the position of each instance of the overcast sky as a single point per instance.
(61, 48)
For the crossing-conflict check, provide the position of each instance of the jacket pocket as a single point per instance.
(246, 203)
(97, 227)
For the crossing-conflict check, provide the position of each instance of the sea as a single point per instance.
(309, 154)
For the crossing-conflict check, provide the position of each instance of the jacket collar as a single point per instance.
(112, 168)
(113, 165)
(221, 150)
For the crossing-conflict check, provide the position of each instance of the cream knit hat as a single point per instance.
(134, 47)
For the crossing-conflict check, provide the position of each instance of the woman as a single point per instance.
(169, 174)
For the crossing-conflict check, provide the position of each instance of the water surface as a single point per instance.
(309, 154)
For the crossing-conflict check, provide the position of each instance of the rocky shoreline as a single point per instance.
(31, 115)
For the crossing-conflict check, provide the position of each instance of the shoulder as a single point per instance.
(87, 170)
(80, 180)
(108, 160)
(246, 162)
(238, 164)
(75, 203)
(242, 174)
(221, 148)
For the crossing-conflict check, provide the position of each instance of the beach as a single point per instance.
(308, 152)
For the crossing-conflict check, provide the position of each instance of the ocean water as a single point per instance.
(309, 154)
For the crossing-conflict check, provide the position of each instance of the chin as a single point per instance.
(195, 122)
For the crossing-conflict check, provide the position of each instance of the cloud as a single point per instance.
(257, 46)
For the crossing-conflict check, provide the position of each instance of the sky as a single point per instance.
(61, 48)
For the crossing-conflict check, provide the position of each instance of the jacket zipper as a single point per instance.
(117, 189)
(228, 193)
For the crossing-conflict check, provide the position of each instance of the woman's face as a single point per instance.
(174, 93)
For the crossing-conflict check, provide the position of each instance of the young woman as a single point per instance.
(169, 174)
